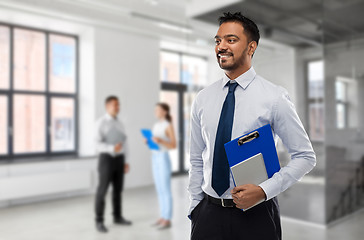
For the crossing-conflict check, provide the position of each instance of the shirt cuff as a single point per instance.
(110, 149)
(270, 188)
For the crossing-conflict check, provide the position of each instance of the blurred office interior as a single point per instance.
(59, 59)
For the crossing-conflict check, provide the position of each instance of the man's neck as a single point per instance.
(233, 74)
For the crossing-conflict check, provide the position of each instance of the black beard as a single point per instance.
(235, 65)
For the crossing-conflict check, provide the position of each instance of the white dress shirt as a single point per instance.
(110, 131)
(257, 102)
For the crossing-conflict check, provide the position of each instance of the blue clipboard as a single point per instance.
(257, 141)
(147, 133)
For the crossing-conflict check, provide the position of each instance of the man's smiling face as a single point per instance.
(231, 46)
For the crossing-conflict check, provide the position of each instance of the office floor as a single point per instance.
(73, 219)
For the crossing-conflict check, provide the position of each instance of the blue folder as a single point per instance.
(257, 141)
(147, 133)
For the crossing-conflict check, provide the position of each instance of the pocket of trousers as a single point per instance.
(196, 210)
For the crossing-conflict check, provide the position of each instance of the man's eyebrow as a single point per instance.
(231, 35)
(227, 36)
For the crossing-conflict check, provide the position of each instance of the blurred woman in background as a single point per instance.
(164, 136)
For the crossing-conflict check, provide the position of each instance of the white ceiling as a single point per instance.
(168, 20)
(160, 18)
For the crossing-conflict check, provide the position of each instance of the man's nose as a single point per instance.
(222, 46)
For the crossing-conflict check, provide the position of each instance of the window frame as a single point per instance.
(10, 92)
(345, 104)
(309, 100)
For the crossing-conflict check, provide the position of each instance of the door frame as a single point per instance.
(180, 89)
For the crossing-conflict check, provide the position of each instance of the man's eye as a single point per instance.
(217, 42)
(231, 40)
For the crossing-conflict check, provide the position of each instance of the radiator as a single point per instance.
(18, 187)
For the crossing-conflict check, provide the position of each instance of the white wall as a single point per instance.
(128, 66)
(275, 62)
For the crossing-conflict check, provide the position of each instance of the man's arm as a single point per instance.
(101, 145)
(125, 150)
(197, 145)
(287, 125)
(125, 145)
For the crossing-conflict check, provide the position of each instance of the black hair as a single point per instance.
(111, 98)
(166, 108)
(250, 28)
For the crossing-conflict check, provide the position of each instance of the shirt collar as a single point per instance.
(109, 117)
(243, 80)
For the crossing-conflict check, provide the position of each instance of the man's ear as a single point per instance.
(252, 47)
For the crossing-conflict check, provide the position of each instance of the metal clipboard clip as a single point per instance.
(248, 138)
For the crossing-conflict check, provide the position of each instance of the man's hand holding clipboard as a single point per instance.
(252, 159)
(247, 196)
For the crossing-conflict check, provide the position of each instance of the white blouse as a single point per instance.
(159, 131)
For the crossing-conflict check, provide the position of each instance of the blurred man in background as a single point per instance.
(112, 147)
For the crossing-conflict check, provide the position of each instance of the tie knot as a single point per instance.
(232, 86)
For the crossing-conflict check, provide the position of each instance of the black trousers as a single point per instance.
(213, 222)
(111, 170)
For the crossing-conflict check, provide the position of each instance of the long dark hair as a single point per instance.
(166, 108)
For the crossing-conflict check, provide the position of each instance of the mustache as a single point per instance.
(224, 52)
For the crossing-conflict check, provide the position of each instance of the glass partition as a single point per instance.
(344, 115)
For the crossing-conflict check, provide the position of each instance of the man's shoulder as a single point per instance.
(101, 120)
(208, 90)
(269, 88)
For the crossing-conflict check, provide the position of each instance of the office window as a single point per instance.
(179, 72)
(4, 57)
(63, 124)
(39, 92)
(29, 60)
(315, 73)
(62, 72)
(170, 67)
(194, 71)
(28, 123)
(3, 125)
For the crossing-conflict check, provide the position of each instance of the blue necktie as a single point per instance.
(220, 166)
